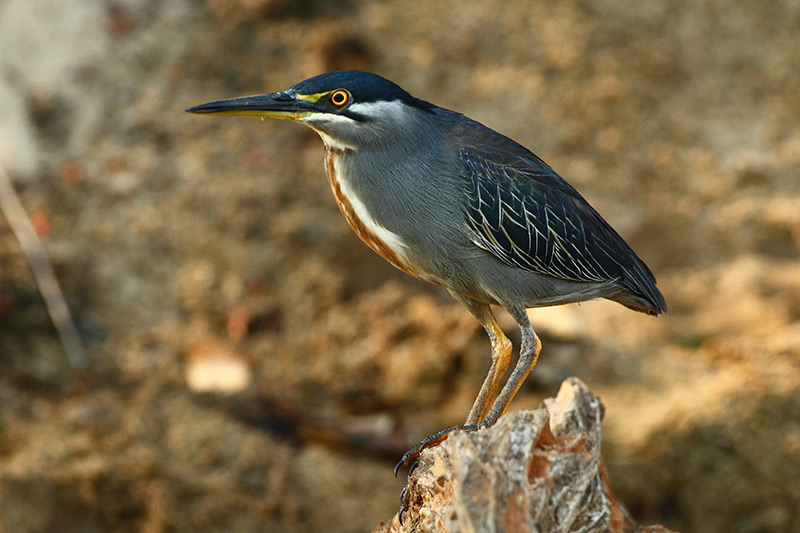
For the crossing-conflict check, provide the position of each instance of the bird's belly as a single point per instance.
(385, 242)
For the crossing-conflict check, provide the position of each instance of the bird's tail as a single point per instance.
(652, 302)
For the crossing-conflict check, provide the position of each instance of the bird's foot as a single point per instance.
(430, 442)
(410, 458)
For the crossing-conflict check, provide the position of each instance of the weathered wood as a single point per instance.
(533, 471)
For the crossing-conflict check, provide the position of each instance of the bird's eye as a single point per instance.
(339, 97)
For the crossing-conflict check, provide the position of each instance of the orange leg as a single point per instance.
(501, 357)
(489, 406)
(528, 355)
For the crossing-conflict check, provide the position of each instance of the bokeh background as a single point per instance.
(254, 367)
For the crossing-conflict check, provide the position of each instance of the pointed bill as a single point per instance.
(275, 105)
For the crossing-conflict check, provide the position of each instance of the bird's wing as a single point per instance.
(526, 215)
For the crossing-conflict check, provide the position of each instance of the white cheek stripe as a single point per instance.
(326, 117)
(391, 238)
(321, 118)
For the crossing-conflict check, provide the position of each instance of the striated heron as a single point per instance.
(454, 203)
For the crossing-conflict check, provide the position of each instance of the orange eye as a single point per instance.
(339, 97)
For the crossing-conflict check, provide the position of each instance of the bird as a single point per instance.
(454, 203)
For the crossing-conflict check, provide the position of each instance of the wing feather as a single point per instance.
(526, 215)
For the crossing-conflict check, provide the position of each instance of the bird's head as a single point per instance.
(350, 109)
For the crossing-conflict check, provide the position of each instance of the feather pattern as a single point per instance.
(527, 216)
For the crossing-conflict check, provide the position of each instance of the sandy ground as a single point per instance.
(254, 367)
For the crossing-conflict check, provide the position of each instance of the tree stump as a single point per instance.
(533, 471)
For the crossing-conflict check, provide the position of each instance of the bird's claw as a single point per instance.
(410, 459)
(430, 442)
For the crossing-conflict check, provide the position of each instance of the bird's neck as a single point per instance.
(359, 215)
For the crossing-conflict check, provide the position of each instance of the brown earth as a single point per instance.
(254, 367)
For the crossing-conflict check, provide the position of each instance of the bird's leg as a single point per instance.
(501, 349)
(528, 355)
(501, 356)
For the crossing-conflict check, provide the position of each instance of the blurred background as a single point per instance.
(254, 367)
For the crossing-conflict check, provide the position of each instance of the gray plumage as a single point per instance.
(455, 203)
(486, 191)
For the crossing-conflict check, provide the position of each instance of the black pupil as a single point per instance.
(339, 98)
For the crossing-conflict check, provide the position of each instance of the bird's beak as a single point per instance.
(276, 105)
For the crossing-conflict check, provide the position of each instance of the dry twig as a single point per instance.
(42, 271)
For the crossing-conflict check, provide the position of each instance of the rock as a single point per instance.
(533, 471)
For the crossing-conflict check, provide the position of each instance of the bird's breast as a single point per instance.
(361, 220)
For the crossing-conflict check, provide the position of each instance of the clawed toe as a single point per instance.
(430, 442)
(410, 459)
